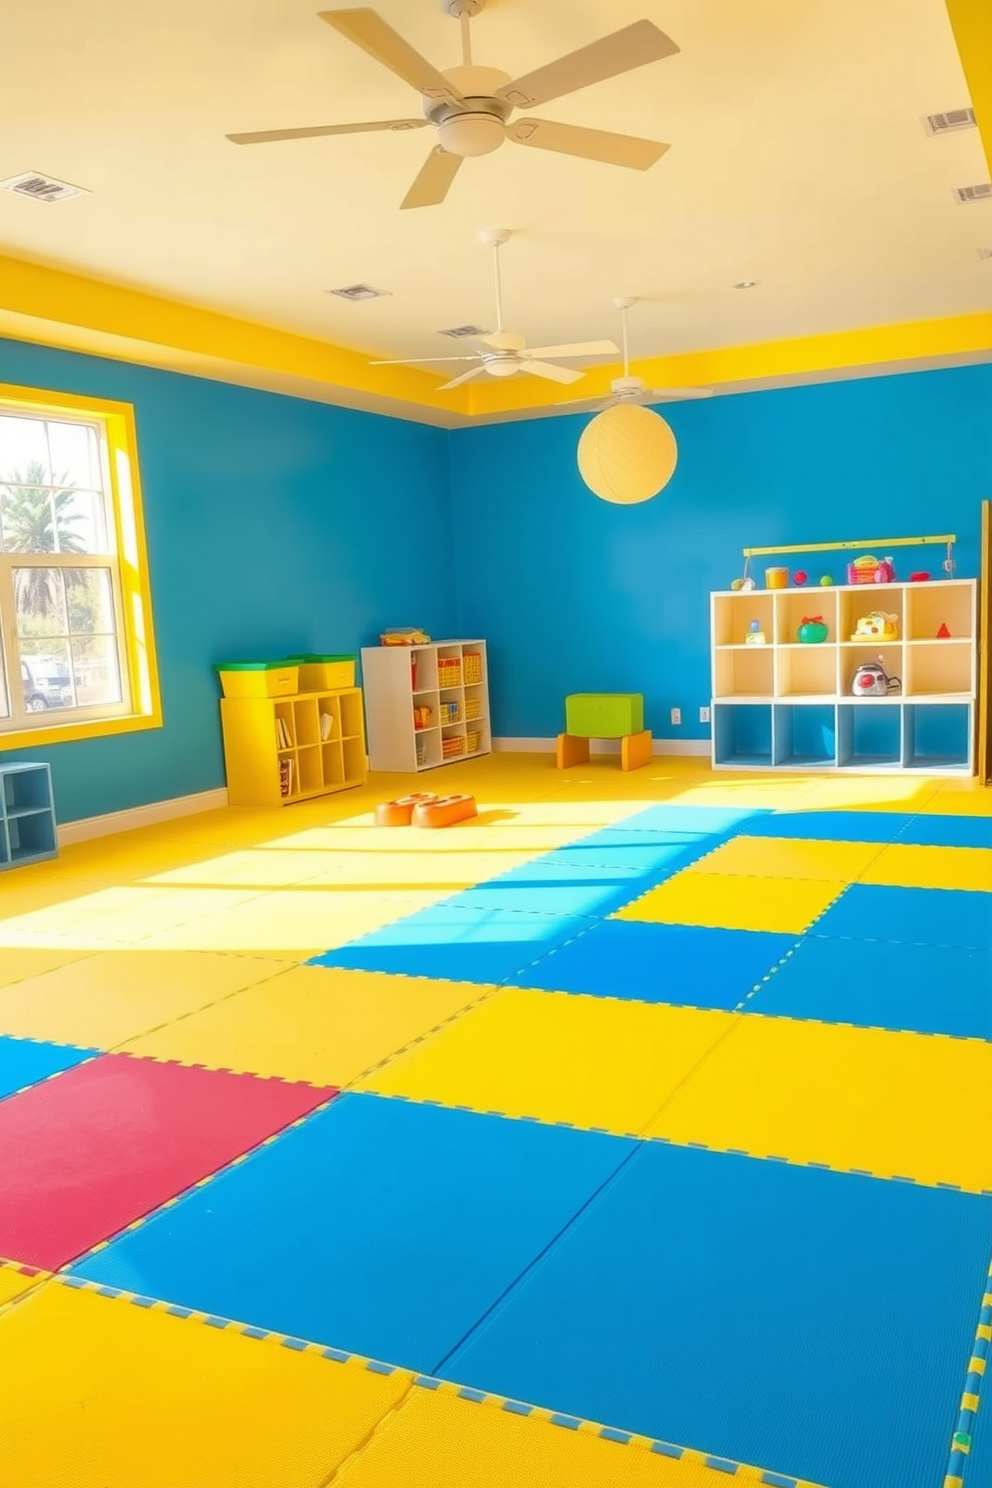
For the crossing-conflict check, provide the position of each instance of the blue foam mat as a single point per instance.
(949, 831)
(702, 821)
(381, 1227)
(818, 1323)
(654, 855)
(25, 1061)
(831, 826)
(457, 943)
(883, 984)
(685, 965)
(939, 917)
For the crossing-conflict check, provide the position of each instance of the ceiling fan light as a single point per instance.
(501, 367)
(627, 454)
(471, 134)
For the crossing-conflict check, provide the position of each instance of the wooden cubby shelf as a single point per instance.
(314, 742)
(427, 705)
(789, 705)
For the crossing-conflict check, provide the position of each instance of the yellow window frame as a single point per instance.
(138, 638)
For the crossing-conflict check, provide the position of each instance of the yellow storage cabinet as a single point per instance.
(278, 750)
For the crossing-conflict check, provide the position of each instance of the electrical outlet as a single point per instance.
(704, 715)
(676, 715)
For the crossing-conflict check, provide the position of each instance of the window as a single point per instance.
(76, 652)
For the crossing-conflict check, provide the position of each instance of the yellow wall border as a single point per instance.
(132, 555)
(971, 23)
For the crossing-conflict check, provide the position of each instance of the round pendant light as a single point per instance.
(627, 454)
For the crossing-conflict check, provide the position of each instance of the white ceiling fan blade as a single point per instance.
(264, 136)
(550, 371)
(576, 349)
(597, 403)
(370, 32)
(433, 181)
(503, 341)
(675, 395)
(417, 361)
(465, 377)
(611, 55)
(590, 144)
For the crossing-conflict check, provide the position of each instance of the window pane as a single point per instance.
(45, 675)
(40, 599)
(79, 522)
(23, 448)
(4, 697)
(89, 601)
(96, 671)
(27, 515)
(75, 455)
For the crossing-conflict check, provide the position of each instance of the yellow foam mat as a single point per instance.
(105, 999)
(787, 857)
(894, 1104)
(908, 866)
(437, 1440)
(311, 1023)
(100, 1393)
(590, 1061)
(386, 862)
(18, 963)
(110, 917)
(15, 1280)
(735, 902)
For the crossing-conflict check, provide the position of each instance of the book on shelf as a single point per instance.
(286, 776)
(282, 733)
(326, 726)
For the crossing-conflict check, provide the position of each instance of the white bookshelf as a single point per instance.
(789, 705)
(448, 680)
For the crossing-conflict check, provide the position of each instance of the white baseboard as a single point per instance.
(140, 816)
(699, 747)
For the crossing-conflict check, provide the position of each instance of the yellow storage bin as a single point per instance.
(244, 679)
(319, 673)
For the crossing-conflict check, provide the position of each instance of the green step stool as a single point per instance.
(604, 715)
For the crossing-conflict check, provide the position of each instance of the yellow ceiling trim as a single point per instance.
(956, 336)
(46, 294)
(971, 22)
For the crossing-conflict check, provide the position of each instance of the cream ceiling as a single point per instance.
(798, 159)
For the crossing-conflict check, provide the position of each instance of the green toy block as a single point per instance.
(604, 715)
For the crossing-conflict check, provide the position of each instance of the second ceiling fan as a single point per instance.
(470, 106)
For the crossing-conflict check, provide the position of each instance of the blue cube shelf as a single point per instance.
(27, 815)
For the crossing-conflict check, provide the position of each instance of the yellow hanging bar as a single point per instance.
(868, 543)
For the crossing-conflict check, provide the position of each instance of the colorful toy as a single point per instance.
(800, 577)
(826, 580)
(399, 813)
(877, 627)
(869, 570)
(755, 635)
(422, 718)
(872, 680)
(812, 631)
(444, 811)
(409, 637)
(943, 633)
(776, 578)
(919, 578)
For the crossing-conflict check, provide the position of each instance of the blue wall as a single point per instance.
(576, 595)
(274, 526)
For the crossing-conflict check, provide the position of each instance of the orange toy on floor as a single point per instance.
(444, 811)
(399, 813)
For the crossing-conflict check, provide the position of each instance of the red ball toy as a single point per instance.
(800, 576)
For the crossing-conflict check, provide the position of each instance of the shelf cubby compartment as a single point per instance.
(31, 837)
(311, 775)
(869, 735)
(733, 613)
(863, 599)
(742, 734)
(938, 736)
(449, 667)
(947, 603)
(793, 606)
(937, 667)
(747, 672)
(423, 669)
(354, 760)
(851, 657)
(451, 707)
(806, 671)
(28, 832)
(804, 735)
(331, 765)
(307, 721)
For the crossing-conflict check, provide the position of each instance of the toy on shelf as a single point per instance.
(877, 626)
(943, 634)
(919, 578)
(813, 630)
(444, 811)
(800, 577)
(776, 578)
(399, 813)
(755, 635)
(408, 637)
(869, 570)
(872, 680)
(423, 718)
(826, 580)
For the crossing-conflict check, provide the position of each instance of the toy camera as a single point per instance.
(877, 627)
(872, 680)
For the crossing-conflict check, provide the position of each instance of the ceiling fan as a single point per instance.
(470, 106)
(627, 389)
(503, 353)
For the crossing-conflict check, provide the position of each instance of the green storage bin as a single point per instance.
(604, 715)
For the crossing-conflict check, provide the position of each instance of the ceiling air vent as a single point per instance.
(950, 122)
(358, 292)
(984, 252)
(980, 193)
(459, 332)
(41, 188)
